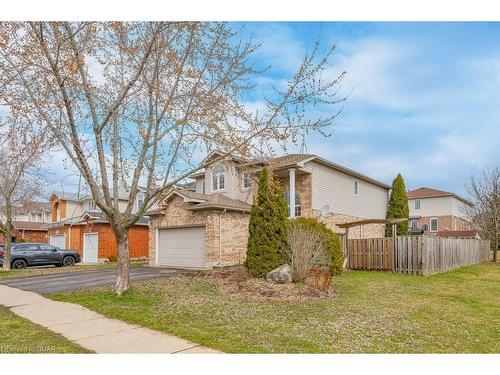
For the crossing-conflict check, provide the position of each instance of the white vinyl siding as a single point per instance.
(335, 189)
(439, 206)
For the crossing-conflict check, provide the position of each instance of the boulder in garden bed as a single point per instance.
(280, 275)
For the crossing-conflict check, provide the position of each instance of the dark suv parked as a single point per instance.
(39, 254)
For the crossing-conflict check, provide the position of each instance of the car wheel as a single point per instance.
(19, 264)
(68, 261)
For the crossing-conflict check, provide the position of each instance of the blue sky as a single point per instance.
(424, 96)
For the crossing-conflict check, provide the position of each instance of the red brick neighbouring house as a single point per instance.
(28, 231)
(440, 212)
(76, 227)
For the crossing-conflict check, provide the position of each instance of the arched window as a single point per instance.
(218, 178)
(297, 203)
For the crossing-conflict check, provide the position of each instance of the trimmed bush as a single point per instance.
(398, 207)
(268, 228)
(332, 244)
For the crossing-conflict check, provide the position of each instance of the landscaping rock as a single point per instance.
(280, 275)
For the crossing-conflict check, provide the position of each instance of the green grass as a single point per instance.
(51, 270)
(18, 335)
(454, 312)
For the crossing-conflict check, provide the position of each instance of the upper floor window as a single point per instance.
(434, 224)
(417, 204)
(91, 206)
(356, 187)
(218, 178)
(140, 200)
(247, 180)
(297, 203)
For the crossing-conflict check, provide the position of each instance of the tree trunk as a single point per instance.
(123, 259)
(7, 245)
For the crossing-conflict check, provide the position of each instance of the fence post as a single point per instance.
(394, 247)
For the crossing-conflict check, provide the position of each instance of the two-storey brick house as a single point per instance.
(30, 222)
(208, 226)
(78, 224)
(440, 213)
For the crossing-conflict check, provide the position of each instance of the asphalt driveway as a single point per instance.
(83, 279)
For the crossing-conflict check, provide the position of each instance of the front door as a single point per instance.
(90, 247)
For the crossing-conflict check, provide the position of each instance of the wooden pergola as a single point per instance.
(358, 223)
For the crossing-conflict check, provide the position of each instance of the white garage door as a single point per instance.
(182, 247)
(90, 246)
(58, 240)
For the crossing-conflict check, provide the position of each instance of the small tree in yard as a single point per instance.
(132, 103)
(484, 193)
(268, 228)
(398, 207)
(22, 148)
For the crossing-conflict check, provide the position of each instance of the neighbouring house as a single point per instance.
(207, 225)
(30, 222)
(76, 223)
(440, 213)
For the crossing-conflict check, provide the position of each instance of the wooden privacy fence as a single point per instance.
(418, 255)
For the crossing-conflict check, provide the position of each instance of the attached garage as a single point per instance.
(193, 230)
(58, 240)
(181, 247)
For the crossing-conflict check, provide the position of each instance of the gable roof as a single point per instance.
(207, 201)
(30, 225)
(298, 160)
(425, 192)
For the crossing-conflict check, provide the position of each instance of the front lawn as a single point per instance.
(375, 312)
(19, 335)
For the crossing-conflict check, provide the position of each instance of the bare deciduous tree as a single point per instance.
(23, 146)
(484, 193)
(141, 100)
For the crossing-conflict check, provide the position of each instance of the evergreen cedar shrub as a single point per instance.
(398, 207)
(268, 228)
(333, 245)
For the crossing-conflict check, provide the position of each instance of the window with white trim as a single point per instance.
(434, 224)
(140, 200)
(356, 187)
(414, 223)
(417, 204)
(297, 203)
(218, 178)
(91, 206)
(247, 180)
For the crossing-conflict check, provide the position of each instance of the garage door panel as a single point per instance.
(182, 247)
(58, 240)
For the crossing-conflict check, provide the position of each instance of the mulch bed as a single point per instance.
(237, 283)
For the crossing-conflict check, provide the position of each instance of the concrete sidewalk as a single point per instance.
(91, 330)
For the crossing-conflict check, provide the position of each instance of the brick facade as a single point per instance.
(27, 236)
(137, 237)
(226, 231)
(445, 223)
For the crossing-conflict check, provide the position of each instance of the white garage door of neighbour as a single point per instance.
(182, 247)
(58, 240)
(90, 246)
